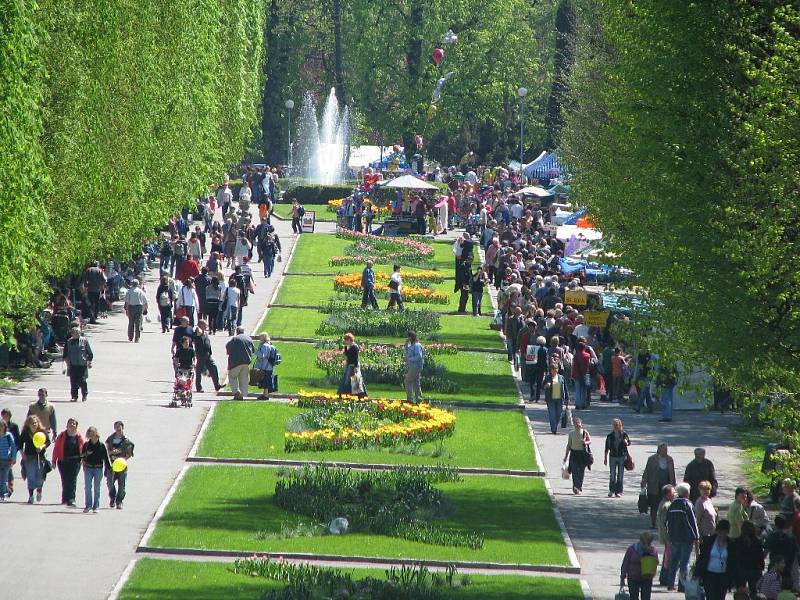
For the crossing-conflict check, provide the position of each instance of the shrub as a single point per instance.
(309, 582)
(341, 317)
(401, 502)
(385, 363)
(316, 194)
(382, 250)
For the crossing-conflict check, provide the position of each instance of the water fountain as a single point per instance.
(322, 150)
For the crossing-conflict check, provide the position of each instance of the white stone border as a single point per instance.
(202, 432)
(280, 283)
(163, 506)
(123, 579)
(571, 554)
(587, 591)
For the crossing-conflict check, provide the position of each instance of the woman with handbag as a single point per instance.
(352, 372)
(34, 463)
(616, 456)
(579, 454)
(639, 567)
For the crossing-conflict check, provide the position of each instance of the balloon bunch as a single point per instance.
(449, 39)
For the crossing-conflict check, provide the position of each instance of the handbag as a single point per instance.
(566, 417)
(622, 594)
(565, 471)
(256, 376)
(643, 503)
(589, 455)
(693, 590)
(649, 565)
(356, 383)
(629, 466)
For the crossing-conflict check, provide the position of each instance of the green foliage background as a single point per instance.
(682, 132)
(115, 116)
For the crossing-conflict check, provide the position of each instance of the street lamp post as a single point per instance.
(289, 104)
(521, 92)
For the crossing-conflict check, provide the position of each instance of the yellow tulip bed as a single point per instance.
(351, 283)
(377, 211)
(394, 422)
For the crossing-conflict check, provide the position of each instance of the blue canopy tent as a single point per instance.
(545, 167)
(383, 164)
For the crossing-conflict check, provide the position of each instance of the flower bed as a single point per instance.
(351, 284)
(367, 423)
(381, 250)
(377, 210)
(342, 317)
(401, 503)
(385, 363)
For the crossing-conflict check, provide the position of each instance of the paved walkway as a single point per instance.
(56, 552)
(601, 528)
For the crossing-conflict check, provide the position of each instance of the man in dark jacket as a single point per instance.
(683, 535)
(513, 325)
(700, 469)
(205, 360)
(118, 446)
(77, 361)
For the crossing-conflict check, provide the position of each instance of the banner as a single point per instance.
(575, 297)
(595, 318)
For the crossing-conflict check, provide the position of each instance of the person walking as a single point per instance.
(13, 429)
(297, 216)
(715, 567)
(668, 495)
(78, 358)
(535, 365)
(658, 472)
(43, 410)
(368, 287)
(95, 281)
(351, 368)
(556, 396)
(231, 303)
(165, 298)
(214, 291)
(240, 352)
(618, 363)
(581, 377)
(683, 536)
(757, 514)
(747, 556)
(578, 452)
(95, 459)
(476, 286)
(118, 446)
(704, 510)
(415, 360)
(135, 308)
(737, 514)
(188, 302)
(34, 463)
(205, 360)
(639, 566)
(666, 380)
(395, 289)
(67, 459)
(615, 456)
(267, 357)
(700, 469)
(8, 458)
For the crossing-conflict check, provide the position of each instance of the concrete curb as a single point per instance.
(202, 431)
(123, 579)
(587, 592)
(571, 554)
(365, 560)
(280, 462)
(163, 506)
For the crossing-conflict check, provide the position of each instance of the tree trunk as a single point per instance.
(563, 60)
(338, 69)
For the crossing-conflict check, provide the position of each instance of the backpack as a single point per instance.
(301, 211)
(163, 299)
(532, 355)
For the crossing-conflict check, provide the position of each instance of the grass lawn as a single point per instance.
(753, 442)
(231, 508)
(463, 331)
(154, 579)
(321, 210)
(474, 444)
(482, 377)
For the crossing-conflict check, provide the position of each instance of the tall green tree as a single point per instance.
(563, 58)
(682, 133)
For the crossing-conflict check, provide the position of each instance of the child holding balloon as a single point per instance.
(33, 442)
(120, 450)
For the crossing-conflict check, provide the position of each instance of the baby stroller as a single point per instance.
(182, 391)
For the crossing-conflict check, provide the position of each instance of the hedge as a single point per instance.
(317, 194)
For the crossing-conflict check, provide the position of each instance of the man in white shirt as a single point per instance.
(187, 299)
(245, 195)
(224, 198)
(135, 307)
(395, 286)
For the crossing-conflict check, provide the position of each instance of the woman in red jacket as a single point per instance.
(67, 457)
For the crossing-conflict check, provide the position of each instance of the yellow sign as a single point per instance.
(575, 297)
(595, 318)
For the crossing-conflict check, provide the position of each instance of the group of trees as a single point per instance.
(682, 129)
(115, 115)
(378, 56)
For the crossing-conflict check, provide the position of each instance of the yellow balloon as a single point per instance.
(39, 439)
(119, 465)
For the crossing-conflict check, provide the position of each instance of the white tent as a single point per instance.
(534, 161)
(410, 182)
(534, 190)
(363, 156)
